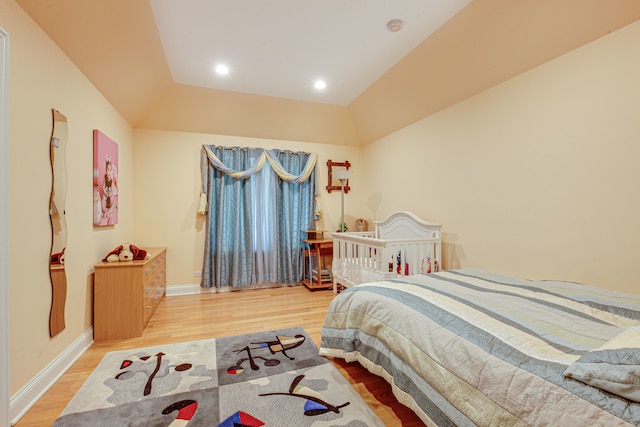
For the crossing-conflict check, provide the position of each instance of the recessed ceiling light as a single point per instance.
(320, 84)
(222, 69)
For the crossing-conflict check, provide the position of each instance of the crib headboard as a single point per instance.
(405, 225)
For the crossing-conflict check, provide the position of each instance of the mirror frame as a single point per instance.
(57, 215)
(330, 187)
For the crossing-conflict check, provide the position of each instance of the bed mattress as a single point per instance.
(470, 347)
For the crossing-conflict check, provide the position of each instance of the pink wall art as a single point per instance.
(105, 180)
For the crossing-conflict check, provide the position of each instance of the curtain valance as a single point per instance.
(207, 156)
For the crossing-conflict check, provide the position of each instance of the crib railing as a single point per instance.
(360, 257)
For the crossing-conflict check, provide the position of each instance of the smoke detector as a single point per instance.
(394, 25)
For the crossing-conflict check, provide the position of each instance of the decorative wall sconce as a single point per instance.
(337, 174)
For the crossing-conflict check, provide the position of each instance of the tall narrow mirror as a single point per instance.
(57, 147)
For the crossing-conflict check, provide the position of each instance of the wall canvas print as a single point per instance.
(105, 180)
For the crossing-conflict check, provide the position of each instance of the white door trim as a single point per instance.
(4, 230)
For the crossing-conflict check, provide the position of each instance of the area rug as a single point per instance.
(271, 378)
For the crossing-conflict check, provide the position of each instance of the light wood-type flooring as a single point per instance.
(194, 317)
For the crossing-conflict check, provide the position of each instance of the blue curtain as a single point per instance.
(228, 250)
(254, 218)
(295, 212)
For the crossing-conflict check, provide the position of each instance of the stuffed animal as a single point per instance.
(112, 258)
(58, 258)
(126, 252)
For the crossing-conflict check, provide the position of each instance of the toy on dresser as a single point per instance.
(126, 252)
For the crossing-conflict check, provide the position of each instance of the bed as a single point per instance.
(473, 348)
(402, 244)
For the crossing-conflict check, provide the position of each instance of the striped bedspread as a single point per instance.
(470, 347)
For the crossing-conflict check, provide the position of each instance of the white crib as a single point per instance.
(402, 244)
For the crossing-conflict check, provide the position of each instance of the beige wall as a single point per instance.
(536, 177)
(41, 78)
(167, 187)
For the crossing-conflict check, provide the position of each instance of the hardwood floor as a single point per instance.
(192, 317)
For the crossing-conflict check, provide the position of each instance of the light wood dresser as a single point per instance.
(126, 294)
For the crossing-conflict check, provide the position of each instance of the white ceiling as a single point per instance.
(279, 48)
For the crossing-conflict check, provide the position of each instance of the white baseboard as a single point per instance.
(192, 289)
(22, 401)
(177, 290)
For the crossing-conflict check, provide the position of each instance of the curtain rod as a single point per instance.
(245, 149)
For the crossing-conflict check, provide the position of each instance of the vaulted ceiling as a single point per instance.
(153, 59)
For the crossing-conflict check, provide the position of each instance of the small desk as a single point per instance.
(318, 253)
